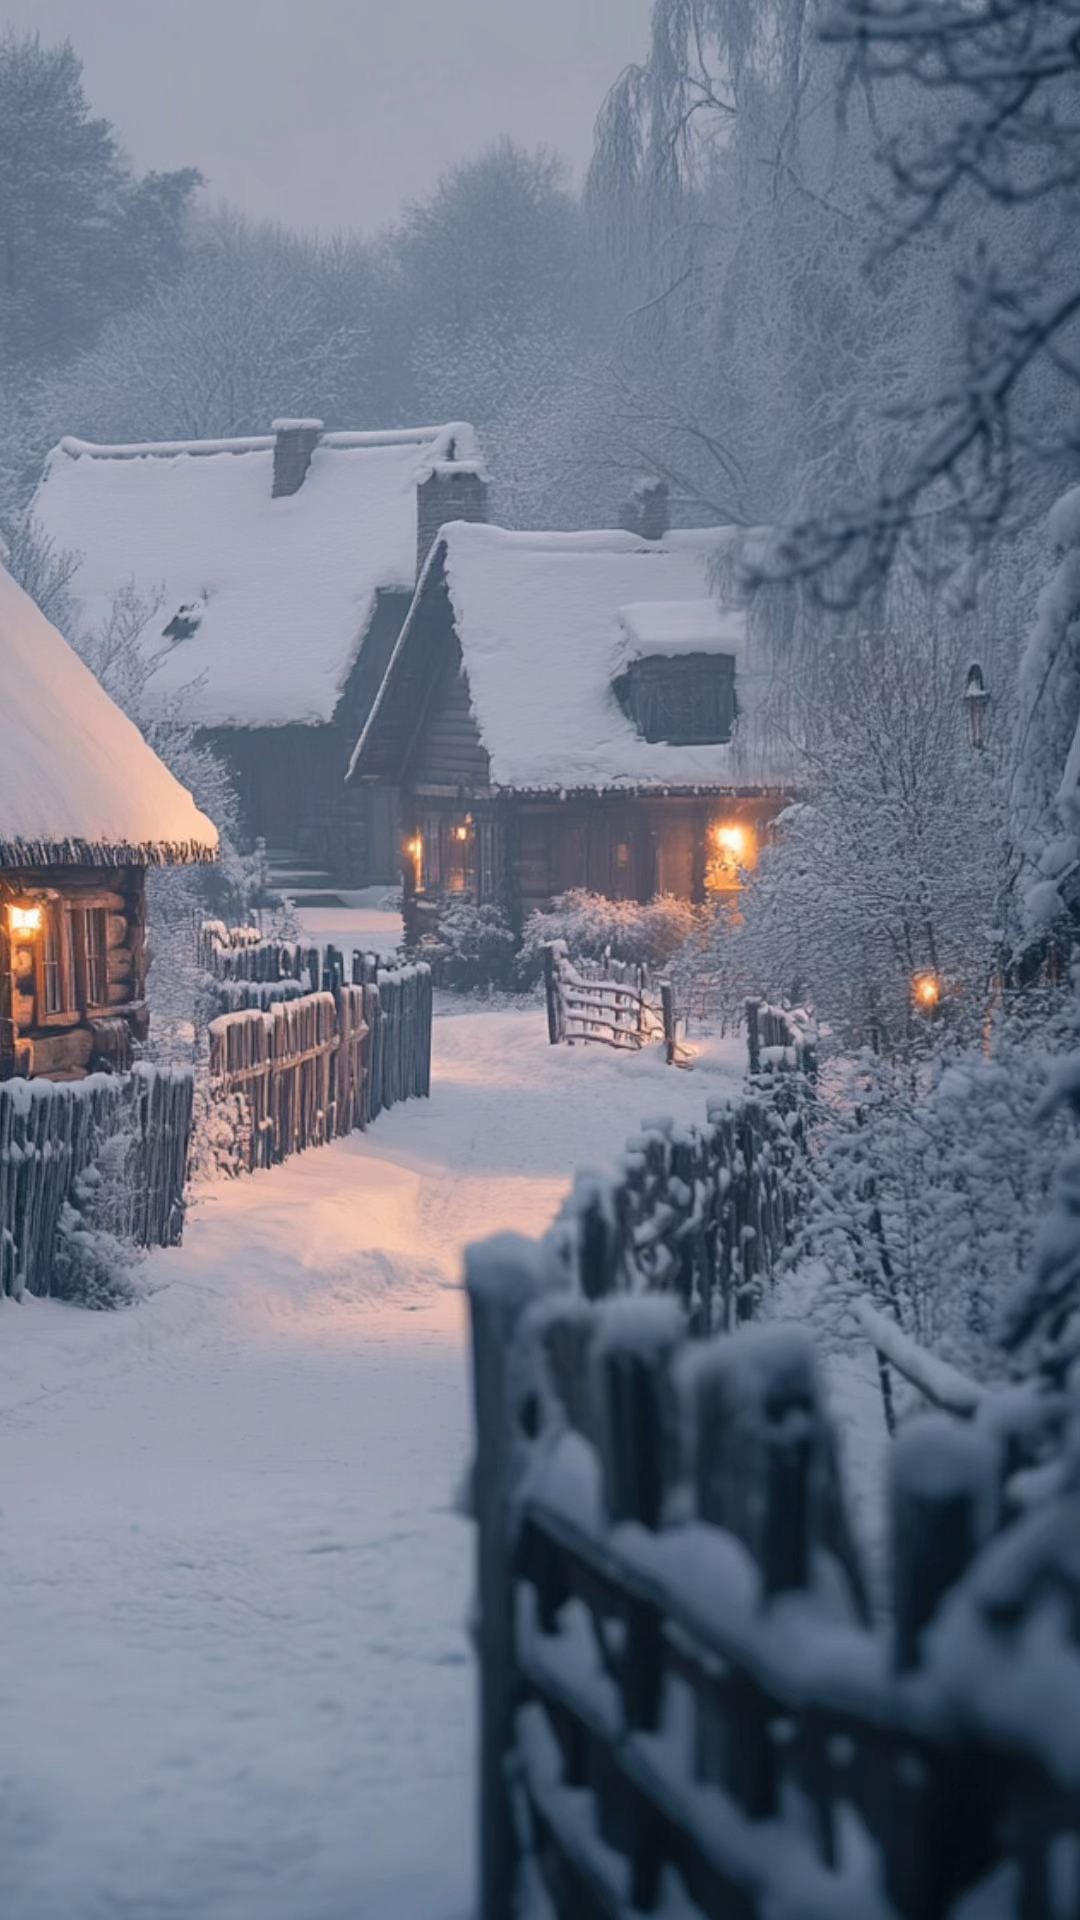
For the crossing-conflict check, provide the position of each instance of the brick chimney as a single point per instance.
(648, 510)
(294, 443)
(449, 493)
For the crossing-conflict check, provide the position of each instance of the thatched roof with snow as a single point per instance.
(79, 786)
(259, 604)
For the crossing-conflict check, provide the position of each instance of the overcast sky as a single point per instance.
(331, 113)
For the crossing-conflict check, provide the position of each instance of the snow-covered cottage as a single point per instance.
(574, 710)
(85, 807)
(275, 574)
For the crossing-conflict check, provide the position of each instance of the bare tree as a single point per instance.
(894, 866)
(990, 163)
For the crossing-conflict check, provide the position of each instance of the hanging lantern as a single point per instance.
(975, 701)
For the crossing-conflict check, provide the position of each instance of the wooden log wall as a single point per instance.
(82, 1035)
(50, 1134)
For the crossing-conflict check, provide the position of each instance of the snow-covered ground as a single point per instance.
(235, 1679)
(362, 921)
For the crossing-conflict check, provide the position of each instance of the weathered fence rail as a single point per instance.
(683, 1706)
(309, 1067)
(51, 1134)
(611, 1002)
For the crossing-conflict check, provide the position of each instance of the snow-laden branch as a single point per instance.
(943, 1385)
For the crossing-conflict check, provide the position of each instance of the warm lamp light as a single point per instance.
(927, 990)
(26, 919)
(416, 848)
(461, 833)
(732, 839)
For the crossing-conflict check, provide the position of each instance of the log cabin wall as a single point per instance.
(76, 986)
(518, 852)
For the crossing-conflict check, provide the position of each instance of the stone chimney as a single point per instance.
(450, 492)
(648, 510)
(294, 443)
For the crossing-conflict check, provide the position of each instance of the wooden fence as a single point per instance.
(313, 1068)
(684, 1707)
(780, 1039)
(52, 1134)
(608, 1001)
(705, 1213)
(299, 1069)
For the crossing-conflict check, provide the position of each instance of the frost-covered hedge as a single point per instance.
(930, 1189)
(472, 947)
(592, 926)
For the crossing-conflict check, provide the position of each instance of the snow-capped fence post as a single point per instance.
(753, 1035)
(552, 996)
(944, 1489)
(672, 1677)
(504, 1276)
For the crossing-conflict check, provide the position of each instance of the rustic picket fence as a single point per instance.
(684, 1707)
(53, 1134)
(611, 1002)
(311, 1067)
(704, 1213)
(780, 1039)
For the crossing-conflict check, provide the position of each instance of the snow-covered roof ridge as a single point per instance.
(453, 445)
(286, 586)
(547, 620)
(78, 783)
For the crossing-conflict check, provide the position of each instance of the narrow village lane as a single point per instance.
(235, 1680)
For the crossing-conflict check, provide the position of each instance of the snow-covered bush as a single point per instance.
(95, 1262)
(929, 1187)
(92, 1267)
(593, 926)
(471, 947)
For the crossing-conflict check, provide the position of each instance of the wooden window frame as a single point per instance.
(57, 926)
(686, 700)
(87, 959)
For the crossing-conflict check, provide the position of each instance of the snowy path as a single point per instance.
(235, 1682)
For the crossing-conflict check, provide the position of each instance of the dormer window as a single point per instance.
(685, 700)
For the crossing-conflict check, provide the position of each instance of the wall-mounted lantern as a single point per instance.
(976, 700)
(25, 919)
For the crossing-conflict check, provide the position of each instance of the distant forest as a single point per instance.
(760, 295)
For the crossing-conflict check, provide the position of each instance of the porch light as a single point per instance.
(26, 919)
(976, 699)
(731, 839)
(926, 988)
(461, 833)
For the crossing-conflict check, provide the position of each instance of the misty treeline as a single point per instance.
(798, 256)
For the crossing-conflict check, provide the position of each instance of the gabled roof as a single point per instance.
(260, 604)
(78, 783)
(546, 622)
